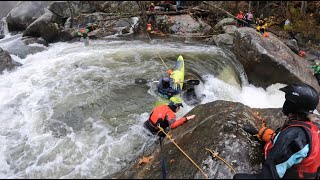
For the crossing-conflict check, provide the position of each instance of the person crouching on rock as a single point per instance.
(292, 151)
(164, 115)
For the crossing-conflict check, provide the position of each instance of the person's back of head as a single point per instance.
(300, 99)
(166, 82)
(175, 103)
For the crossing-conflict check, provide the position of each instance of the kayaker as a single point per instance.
(165, 116)
(165, 88)
(292, 151)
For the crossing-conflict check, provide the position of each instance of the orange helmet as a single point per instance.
(169, 71)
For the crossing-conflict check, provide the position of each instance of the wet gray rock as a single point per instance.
(268, 60)
(229, 29)
(44, 27)
(24, 13)
(6, 62)
(20, 48)
(226, 39)
(218, 127)
(224, 22)
(32, 40)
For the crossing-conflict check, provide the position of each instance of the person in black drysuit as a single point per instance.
(293, 151)
(165, 88)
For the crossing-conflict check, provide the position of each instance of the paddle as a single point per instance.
(144, 81)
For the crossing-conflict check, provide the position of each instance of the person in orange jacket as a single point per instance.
(164, 115)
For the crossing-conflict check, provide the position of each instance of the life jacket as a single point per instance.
(151, 8)
(309, 167)
(160, 115)
(302, 53)
(149, 27)
(261, 22)
(240, 16)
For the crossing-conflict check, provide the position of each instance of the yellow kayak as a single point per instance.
(178, 76)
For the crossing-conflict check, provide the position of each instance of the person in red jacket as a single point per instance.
(292, 151)
(164, 115)
(240, 17)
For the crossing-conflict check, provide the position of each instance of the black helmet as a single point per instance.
(300, 98)
(166, 82)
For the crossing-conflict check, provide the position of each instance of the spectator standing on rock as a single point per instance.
(167, 5)
(151, 18)
(84, 33)
(178, 4)
(248, 18)
(240, 18)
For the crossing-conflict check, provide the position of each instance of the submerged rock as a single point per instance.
(6, 62)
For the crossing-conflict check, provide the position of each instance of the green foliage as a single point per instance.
(306, 26)
(164, 26)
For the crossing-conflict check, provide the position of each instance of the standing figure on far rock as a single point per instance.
(316, 72)
(84, 33)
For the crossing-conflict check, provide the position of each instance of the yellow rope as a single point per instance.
(161, 129)
(216, 155)
(159, 54)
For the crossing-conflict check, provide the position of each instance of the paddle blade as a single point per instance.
(193, 82)
(140, 81)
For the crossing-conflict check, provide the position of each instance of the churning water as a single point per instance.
(73, 111)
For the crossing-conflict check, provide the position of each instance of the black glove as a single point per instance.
(250, 129)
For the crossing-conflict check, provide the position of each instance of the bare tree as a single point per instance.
(71, 13)
(303, 8)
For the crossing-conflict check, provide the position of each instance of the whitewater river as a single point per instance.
(74, 111)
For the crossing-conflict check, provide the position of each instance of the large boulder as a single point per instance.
(6, 7)
(44, 27)
(181, 24)
(119, 6)
(225, 39)
(21, 47)
(224, 22)
(24, 13)
(62, 8)
(6, 62)
(218, 126)
(267, 60)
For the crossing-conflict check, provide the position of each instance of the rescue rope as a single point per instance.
(158, 54)
(161, 129)
(216, 155)
(163, 164)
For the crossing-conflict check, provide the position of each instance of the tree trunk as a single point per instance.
(237, 7)
(71, 13)
(303, 8)
(249, 9)
(144, 18)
